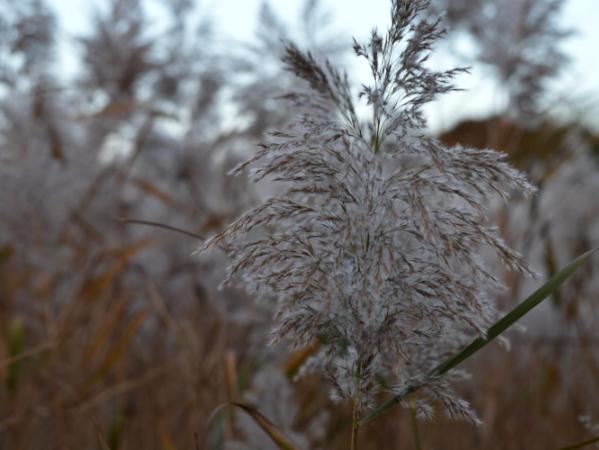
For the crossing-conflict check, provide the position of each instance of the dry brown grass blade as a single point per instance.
(269, 428)
(94, 287)
(231, 377)
(160, 306)
(88, 229)
(123, 254)
(298, 357)
(119, 348)
(105, 330)
(150, 188)
(273, 432)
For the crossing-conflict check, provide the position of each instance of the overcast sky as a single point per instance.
(237, 19)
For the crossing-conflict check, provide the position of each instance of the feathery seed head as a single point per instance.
(371, 244)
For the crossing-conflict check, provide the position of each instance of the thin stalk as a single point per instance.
(161, 225)
(414, 421)
(355, 425)
(355, 416)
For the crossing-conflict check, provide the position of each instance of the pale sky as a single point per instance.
(236, 19)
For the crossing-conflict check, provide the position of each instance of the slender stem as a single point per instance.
(355, 424)
(414, 421)
(162, 225)
(355, 416)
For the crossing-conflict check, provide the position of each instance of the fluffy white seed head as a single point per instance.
(371, 242)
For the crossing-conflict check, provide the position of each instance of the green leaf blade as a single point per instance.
(494, 331)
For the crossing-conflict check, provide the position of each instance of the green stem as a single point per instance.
(355, 425)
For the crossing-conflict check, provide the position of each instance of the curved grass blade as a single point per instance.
(297, 358)
(273, 432)
(496, 329)
(582, 444)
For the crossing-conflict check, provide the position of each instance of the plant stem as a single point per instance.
(414, 421)
(355, 425)
(355, 416)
